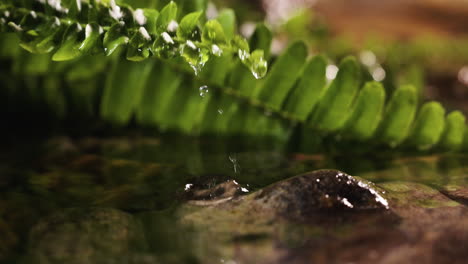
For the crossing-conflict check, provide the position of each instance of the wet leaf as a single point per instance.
(262, 39)
(429, 125)
(114, 38)
(282, 76)
(92, 38)
(399, 115)
(151, 17)
(167, 16)
(336, 103)
(367, 112)
(309, 89)
(227, 19)
(452, 138)
(138, 46)
(213, 33)
(69, 49)
(119, 102)
(188, 25)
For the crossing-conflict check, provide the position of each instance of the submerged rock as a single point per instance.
(318, 190)
(84, 236)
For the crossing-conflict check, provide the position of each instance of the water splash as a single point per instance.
(235, 163)
(203, 90)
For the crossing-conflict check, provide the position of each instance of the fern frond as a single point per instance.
(70, 29)
(225, 98)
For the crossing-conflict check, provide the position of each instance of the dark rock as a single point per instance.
(451, 246)
(8, 240)
(84, 236)
(318, 190)
(459, 194)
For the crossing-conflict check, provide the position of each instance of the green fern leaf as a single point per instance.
(225, 96)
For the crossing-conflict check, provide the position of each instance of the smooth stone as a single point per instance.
(321, 190)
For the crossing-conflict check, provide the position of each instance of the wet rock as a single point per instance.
(57, 150)
(451, 246)
(318, 190)
(8, 240)
(410, 194)
(84, 236)
(459, 194)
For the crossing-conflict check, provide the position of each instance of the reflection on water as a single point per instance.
(157, 200)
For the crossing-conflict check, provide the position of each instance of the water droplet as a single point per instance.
(203, 90)
(167, 38)
(331, 72)
(144, 33)
(165, 47)
(173, 25)
(140, 17)
(379, 74)
(259, 68)
(463, 75)
(255, 61)
(188, 186)
(368, 58)
(194, 56)
(216, 50)
(114, 10)
(220, 111)
(243, 55)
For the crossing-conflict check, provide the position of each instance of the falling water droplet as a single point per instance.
(203, 90)
(220, 111)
